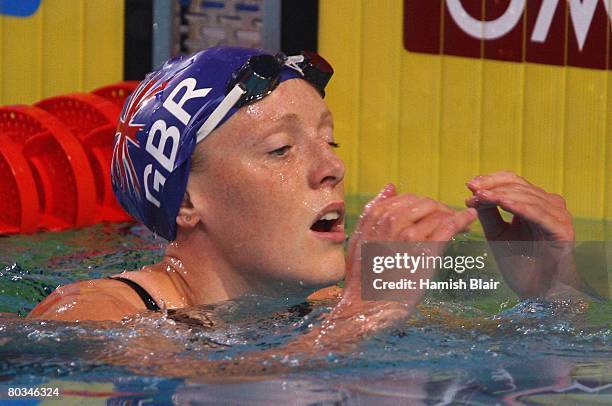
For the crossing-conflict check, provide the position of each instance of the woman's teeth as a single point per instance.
(333, 215)
(326, 222)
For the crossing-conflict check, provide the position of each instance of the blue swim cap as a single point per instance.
(177, 106)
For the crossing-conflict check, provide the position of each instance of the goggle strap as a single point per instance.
(220, 112)
(293, 63)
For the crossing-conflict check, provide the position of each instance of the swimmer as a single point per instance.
(229, 155)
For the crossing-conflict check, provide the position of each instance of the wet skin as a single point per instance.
(265, 177)
(245, 226)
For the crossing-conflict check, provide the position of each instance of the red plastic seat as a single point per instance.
(93, 119)
(81, 112)
(64, 189)
(19, 206)
(99, 146)
(117, 92)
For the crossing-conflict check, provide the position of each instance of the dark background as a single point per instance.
(299, 27)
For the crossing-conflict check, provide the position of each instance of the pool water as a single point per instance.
(489, 350)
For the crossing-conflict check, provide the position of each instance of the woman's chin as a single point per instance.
(324, 278)
(310, 283)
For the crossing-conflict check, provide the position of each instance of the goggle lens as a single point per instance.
(317, 70)
(261, 74)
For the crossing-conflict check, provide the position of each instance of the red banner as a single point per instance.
(554, 32)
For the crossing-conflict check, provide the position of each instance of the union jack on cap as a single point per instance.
(123, 173)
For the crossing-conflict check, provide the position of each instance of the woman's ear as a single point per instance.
(187, 216)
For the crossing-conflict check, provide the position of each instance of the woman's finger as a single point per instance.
(556, 229)
(368, 229)
(403, 215)
(386, 192)
(495, 179)
(454, 224)
(517, 188)
(422, 230)
(496, 197)
(366, 216)
(352, 281)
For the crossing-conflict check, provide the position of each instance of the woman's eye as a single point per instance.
(281, 151)
(334, 144)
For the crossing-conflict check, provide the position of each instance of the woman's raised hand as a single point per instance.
(404, 217)
(540, 261)
(388, 217)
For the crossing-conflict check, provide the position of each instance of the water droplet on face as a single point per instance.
(253, 110)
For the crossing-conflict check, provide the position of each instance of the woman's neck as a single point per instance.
(205, 275)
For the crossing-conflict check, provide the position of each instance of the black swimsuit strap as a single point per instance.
(144, 295)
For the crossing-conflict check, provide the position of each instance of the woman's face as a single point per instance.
(270, 190)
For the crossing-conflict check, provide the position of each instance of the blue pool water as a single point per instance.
(490, 350)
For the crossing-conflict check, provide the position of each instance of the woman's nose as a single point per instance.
(327, 168)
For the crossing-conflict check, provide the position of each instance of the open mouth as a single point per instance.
(330, 219)
(326, 223)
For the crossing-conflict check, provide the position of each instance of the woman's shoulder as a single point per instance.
(96, 299)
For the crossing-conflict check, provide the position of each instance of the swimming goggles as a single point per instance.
(259, 76)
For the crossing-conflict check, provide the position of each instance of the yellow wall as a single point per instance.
(432, 122)
(66, 46)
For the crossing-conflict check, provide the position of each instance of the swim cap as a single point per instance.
(177, 106)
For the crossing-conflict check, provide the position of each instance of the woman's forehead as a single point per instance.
(293, 105)
(294, 102)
